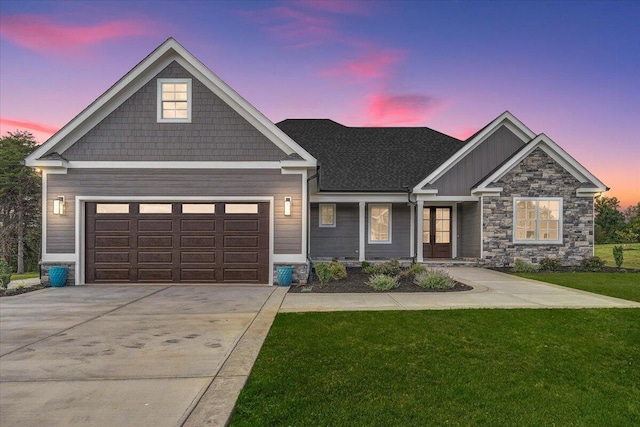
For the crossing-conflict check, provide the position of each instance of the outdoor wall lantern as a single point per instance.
(58, 205)
(287, 206)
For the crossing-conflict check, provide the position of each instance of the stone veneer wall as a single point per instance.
(537, 176)
(299, 273)
(71, 272)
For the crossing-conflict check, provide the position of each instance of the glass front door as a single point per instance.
(436, 232)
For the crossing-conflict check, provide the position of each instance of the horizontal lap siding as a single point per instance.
(340, 241)
(175, 183)
(400, 235)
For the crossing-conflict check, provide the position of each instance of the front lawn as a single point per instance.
(30, 275)
(451, 367)
(631, 254)
(619, 285)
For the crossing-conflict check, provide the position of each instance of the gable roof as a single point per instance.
(590, 184)
(369, 159)
(505, 119)
(157, 60)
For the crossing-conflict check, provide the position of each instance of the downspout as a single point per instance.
(308, 231)
(415, 238)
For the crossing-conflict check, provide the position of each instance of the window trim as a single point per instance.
(333, 224)
(536, 241)
(159, 101)
(379, 242)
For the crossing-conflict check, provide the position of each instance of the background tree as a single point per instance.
(19, 201)
(609, 220)
(631, 234)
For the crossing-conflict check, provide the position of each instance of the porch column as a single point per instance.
(420, 208)
(362, 234)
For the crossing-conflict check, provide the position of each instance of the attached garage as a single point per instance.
(178, 242)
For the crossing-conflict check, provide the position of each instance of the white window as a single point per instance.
(380, 223)
(241, 208)
(155, 208)
(327, 215)
(537, 220)
(112, 208)
(198, 208)
(174, 100)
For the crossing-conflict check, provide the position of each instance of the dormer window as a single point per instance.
(174, 100)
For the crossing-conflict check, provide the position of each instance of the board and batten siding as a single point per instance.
(132, 132)
(341, 241)
(469, 230)
(400, 235)
(175, 183)
(458, 180)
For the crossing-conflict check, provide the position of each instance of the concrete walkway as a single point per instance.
(24, 282)
(491, 289)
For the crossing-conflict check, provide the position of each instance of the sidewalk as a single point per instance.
(491, 289)
(24, 282)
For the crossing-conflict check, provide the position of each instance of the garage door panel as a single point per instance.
(197, 242)
(198, 274)
(112, 225)
(155, 242)
(199, 245)
(145, 257)
(197, 257)
(198, 225)
(155, 275)
(113, 257)
(155, 225)
(112, 241)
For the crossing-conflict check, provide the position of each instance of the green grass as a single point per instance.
(619, 285)
(451, 367)
(631, 254)
(30, 275)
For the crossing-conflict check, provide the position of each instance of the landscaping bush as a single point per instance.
(5, 273)
(383, 282)
(389, 268)
(434, 279)
(413, 271)
(550, 264)
(593, 263)
(338, 270)
(366, 267)
(618, 255)
(524, 267)
(323, 271)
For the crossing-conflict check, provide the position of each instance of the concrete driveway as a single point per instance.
(122, 355)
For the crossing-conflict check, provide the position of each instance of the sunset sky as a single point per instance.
(570, 70)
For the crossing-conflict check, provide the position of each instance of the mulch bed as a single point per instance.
(356, 282)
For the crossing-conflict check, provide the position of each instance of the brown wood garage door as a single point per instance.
(177, 242)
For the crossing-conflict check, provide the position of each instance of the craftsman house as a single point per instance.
(171, 176)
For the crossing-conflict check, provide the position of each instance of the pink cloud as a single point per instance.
(338, 6)
(298, 28)
(390, 110)
(464, 132)
(371, 66)
(43, 35)
(24, 124)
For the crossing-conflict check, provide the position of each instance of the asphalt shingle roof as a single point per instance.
(372, 159)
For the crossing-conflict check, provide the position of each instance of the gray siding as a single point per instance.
(131, 131)
(175, 183)
(340, 241)
(476, 165)
(469, 230)
(400, 235)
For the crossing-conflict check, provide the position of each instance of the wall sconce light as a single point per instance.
(287, 206)
(58, 205)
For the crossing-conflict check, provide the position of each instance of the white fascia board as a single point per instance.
(447, 198)
(45, 163)
(486, 191)
(359, 197)
(555, 152)
(173, 165)
(298, 163)
(431, 191)
(289, 258)
(505, 119)
(588, 192)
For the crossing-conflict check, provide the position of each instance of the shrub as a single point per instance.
(413, 271)
(389, 268)
(434, 279)
(383, 282)
(323, 271)
(618, 255)
(338, 270)
(550, 264)
(5, 273)
(593, 263)
(523, 267)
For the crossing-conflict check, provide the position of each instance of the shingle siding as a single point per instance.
(175, 183)
(216, 132)
(458, 180)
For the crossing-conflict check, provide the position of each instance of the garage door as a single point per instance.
(177, 242)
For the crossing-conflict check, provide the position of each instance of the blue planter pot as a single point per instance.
(283, 274)
(57, 276)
